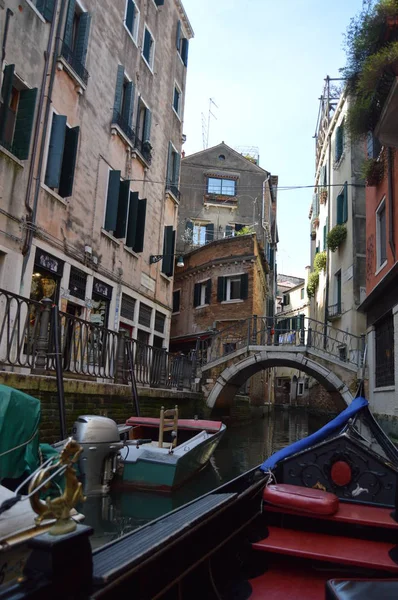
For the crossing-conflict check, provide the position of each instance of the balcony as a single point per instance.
(335, 311)
(387, 127)
(145, 149)
(173, 189)
(122, 123)
(68, 54)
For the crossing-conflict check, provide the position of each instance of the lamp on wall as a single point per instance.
(154, 258)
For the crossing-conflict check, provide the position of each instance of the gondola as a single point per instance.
(317, 519)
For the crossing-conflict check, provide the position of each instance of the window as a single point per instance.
(202, 234)
(279, 382)
(173, 171)
(77, 283)
(128, 307)
(302, 294)
(61, 159)
(176, 301)
(381, 234)
(132, 19)
(182, 44)
(143, 130)
(177, 100)
(325, 234)
(300, 388)
(17, 110)
(373, 145)
(223, 187)
(339, 143)
(125, 213)
(232, 288)
(229, 347)
(169, 241)
(148, 48)
(157, 342)
(45, 7)
(232, 230)
(160, 320)
(75, 42)
(202, 293)
(123, 105)
(145, 313)
(384, 334)
(342, 206)
(286, 299)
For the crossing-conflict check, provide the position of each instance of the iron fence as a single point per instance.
(74, 62)
(119, 120)
(144, 148)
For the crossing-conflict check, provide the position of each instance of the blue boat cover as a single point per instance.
(320, 435)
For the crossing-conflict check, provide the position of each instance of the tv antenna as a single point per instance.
(206, 125)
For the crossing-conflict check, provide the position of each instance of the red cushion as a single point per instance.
(302, 499)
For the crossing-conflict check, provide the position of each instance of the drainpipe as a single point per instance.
(325, 328)
(391, 228)
(32, 211)
(9, 14)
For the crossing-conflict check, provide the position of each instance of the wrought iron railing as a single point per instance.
(119, 120)
(335, 310)
(145, 149)
(74, 62)
(173, 188)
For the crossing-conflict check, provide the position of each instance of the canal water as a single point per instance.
(241, 448)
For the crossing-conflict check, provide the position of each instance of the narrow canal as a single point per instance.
(241, 448)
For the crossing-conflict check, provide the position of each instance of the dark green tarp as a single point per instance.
(19, 423)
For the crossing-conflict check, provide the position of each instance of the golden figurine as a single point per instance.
(59, 508)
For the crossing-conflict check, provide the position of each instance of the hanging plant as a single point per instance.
(313, 280)
(336, 237)
(320, 262)
(372, 171)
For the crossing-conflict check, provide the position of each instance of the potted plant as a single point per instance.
(313, 280)
(336, 237)
(372, 171)
(320, 262)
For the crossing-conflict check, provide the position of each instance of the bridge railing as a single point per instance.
(290, 332)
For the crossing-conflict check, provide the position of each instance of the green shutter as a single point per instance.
(147, 45)
(167, 261)
(244, 286)
(140, 229)
(178, 35)
(69, 161)
(340, 202)
(130, 15)
(228, 230)
(6, 90)
(196, 295)
(337, 144)
(345, 203)
(70, 16)
(147, 125)
(221, 289)
(117, 104)
(132, 220)
(176, 174)
(169, 163)
(24, 123)
(324, 237)
(159, 2)
(46, 8)
(124, 192)
(112, 200)
(129, 103)
(208, 292)
(55, 151)
(209, 233)
(83, 33)
(184, 53)
(271, 258)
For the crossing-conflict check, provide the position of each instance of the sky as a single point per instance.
(263, 62)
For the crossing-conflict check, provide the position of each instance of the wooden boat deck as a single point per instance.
(194, 424)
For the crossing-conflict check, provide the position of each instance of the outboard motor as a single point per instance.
(100, 440)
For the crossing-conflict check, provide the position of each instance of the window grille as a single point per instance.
(144, 317)
(127, 308)
(384, 332)
(160, 319)
(77, 283)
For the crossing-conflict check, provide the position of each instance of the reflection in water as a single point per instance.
(241, 448)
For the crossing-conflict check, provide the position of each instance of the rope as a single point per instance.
(20, 445)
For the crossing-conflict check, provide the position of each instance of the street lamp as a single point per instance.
(154, 258)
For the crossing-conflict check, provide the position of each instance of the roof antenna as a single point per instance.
(206, 126)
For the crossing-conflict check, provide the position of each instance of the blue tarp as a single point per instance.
(331, 427)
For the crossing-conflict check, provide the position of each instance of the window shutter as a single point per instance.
(147, 125)
(178, 36)
(119, 89)
(176, 301)
(159, 2)
(6, 90)
(229, 231)
(69, 161)
(345, 203)
(147, 45)
(55, 151)
(324, 237)
(140, 229)
(124, 193)
(112, 200)
(209, 233)
(196, 295)
(129, 103)
(46, 8)
(169, 161)
(176, 174)
(340, 201)
(208, 292)
(83, 33)
(221, 288)
(271, 258)
(337, 144)
(132, 220)
(167, 245)
(294, 324)
(130, 15)
(184, 53)
(24, 123)
(70, 15)
(244, 286)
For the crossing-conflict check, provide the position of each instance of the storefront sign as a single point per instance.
(42, 259)
(102, 289)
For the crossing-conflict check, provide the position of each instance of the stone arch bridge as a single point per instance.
(331, 356)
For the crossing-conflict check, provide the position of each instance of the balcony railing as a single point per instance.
(76, 65)
(119, 120)
(173, 188)
(335, 311)
(145, 149)
(221, 199)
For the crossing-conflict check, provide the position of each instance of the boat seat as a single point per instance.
(361, 589)
(302, 499)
